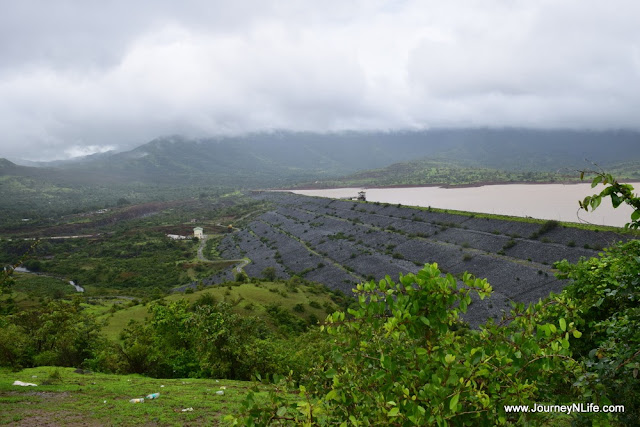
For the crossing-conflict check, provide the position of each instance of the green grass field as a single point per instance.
(63, 397)
(248, 299)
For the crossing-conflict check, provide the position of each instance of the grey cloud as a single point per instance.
(77, 76)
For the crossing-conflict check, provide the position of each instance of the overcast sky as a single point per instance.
(84, 76)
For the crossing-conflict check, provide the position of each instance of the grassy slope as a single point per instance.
(260, 295)
(29, 289)
(102, 399)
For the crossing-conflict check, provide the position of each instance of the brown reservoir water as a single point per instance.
(543, 201)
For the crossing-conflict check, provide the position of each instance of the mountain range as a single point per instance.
(282, 158)
(266, 159)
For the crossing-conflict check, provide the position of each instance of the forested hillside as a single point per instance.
(174, 167)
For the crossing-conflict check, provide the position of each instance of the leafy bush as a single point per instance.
(206, 298)
(544, 228)
(314, 304)
(269, 274)
(182, 341)
(404, 357)
(607, 293)
(619, 193)
(285, 320)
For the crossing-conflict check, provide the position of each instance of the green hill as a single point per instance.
(438, 172)
(308, 302)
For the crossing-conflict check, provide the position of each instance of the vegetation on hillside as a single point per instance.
(180, 337)
(127, 249)
(171, 168)
(438, 172)
(399, 355)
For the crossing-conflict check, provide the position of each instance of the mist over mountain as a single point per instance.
(281, 158)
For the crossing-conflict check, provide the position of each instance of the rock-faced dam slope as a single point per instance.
(340, 243)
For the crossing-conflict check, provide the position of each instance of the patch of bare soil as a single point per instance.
(42, 418)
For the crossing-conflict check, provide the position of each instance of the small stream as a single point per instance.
(71, 282)
(78, 287)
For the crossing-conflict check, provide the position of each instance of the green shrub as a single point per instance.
(269, 274)
(606, 291)
(206, 298)
(402, 357)
(314, 304)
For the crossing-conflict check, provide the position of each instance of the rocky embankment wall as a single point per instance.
(340, 243)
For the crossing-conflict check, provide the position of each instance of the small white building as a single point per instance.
(198, 232)
(176, 237)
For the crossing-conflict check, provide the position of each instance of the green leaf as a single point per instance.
(421, 351)
(453, 404)
(635, 215)
(563, 324)
(615, 200)
(281, 411)
(596, 181)
(393, 412)
(577, 333)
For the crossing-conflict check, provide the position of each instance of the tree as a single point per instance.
(59, 333)
(619, 193)
(606, 292)
(269, 274)
(123, 202)
(205, 339)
